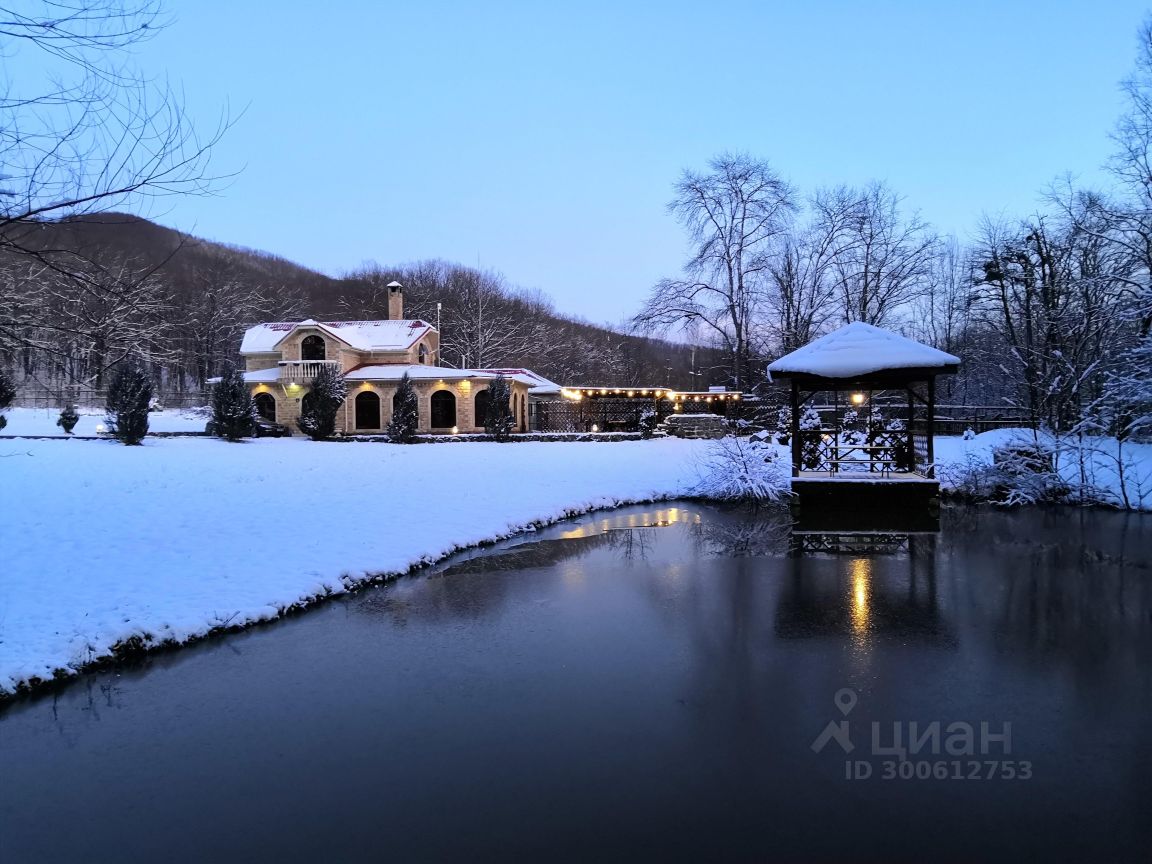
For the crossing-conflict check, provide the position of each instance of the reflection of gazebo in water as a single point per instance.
(839, 589)
(885, 458)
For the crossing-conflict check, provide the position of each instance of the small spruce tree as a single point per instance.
(405, 413)
(648, 422)
(68, 419)
(499, 421)
(328, 393)
(7, 394)
(233, 410)
(129, 395)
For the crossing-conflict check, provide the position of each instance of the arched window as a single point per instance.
(266, 406)
(422, 353)
(443, 410)
(523, 413)
(312, 348)
(367, 410)
(483, 400)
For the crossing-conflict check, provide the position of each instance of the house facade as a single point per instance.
(282, 358)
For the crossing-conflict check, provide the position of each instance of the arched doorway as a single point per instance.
(265, 406)
(483, 400)
(367, 410)
(443, 410)
(312, 348)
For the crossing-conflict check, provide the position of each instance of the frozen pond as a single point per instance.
(610, 691)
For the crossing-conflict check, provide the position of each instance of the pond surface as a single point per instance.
(612, 692)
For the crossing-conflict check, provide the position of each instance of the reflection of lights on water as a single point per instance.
(573, 575)
(861, 590)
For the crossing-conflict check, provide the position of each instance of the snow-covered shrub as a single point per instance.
(648, 422)
(68, 419)
(233, 410)
(1022, 471)
(499, 421)
(852, 428)
(738, 469)
(7, 394)
(328, 391)
(784, 424)
(969, 434)
(810, 448)
(129, 396)
(405, 413)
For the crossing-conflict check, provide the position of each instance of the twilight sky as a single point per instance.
(542, 139)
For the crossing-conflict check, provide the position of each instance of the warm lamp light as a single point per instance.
(595, 428)
(455, 430)
(857, 398)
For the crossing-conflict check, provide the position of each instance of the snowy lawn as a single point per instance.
(102, 542)
(42, 421)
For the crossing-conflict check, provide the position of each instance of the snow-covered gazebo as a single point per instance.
(885, 375)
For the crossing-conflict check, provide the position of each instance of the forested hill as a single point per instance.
(118, 284)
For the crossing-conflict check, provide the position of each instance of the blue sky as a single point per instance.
(542, 139)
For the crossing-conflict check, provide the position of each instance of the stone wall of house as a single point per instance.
(289, 401)
(256, 362)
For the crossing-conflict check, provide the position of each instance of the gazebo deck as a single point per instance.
(865, 477)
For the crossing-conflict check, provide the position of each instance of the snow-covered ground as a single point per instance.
(42, 421)
(102, 542)
(1093, 465)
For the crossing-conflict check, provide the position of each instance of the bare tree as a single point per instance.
(734, 214)
(882, 259)
(95, 135)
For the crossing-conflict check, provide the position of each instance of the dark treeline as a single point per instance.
(86, 294)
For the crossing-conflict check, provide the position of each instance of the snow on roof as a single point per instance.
(263, 375)
(361, 335)
(536, 383)
(858, 349)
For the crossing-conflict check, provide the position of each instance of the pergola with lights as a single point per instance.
(871, 365)
(604, 409)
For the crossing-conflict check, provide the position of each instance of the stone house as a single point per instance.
(281, 358)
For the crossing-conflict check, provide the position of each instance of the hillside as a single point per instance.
(212, 290)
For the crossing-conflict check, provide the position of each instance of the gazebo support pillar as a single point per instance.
(797, 449)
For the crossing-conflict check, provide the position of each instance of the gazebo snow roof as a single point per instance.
(859, 349)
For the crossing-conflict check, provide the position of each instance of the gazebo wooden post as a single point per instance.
(931, 427)
(797, 450)
(908, 427)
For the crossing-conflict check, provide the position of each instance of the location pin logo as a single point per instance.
(845, 700)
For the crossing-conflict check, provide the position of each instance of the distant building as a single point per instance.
(282, 358)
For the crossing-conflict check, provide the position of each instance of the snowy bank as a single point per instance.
(175, 538)
(1094, 470)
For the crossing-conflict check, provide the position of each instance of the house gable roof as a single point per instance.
(360, 335)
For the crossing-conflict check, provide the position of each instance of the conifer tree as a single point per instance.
(233, 411)
(7, 394)
(327, 395)
(68, 419)
(129, 396)
(499, 421)
(405, 413)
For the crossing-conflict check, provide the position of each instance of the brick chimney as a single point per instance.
(395, 301)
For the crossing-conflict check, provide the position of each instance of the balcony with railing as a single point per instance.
(303, 371)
